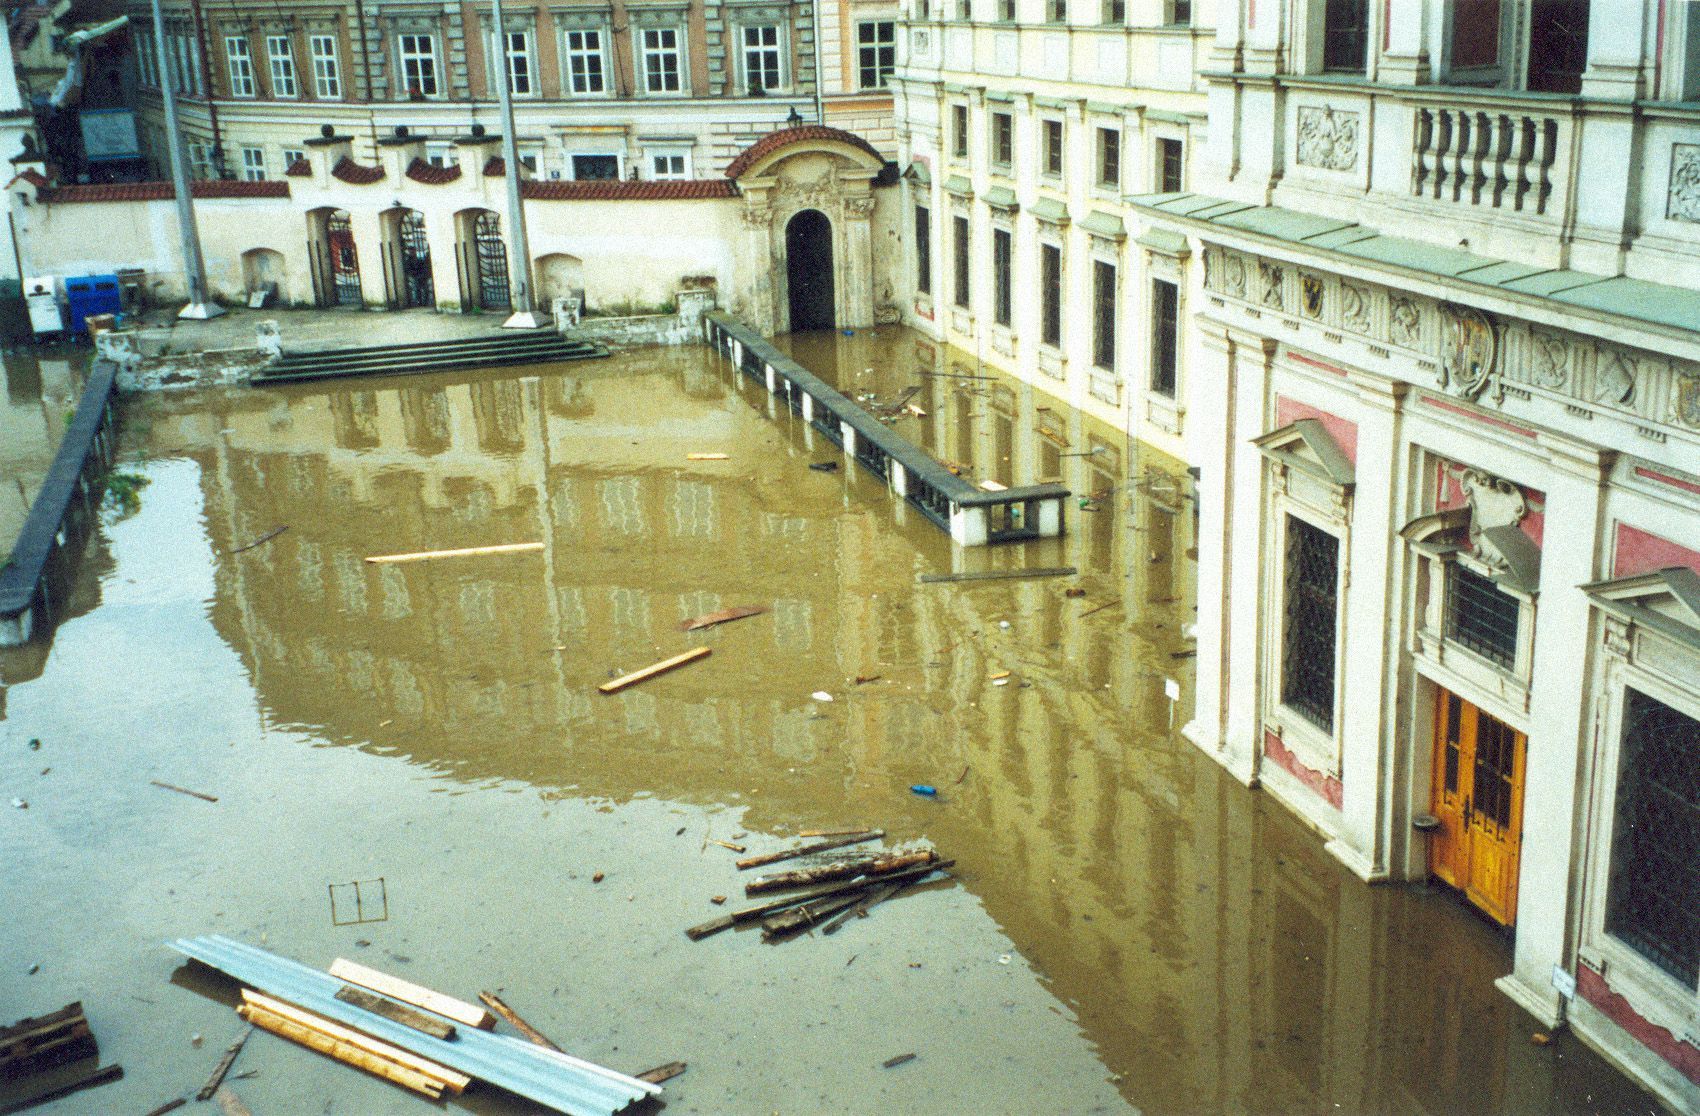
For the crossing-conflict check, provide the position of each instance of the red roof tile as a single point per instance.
(627, 190)
(784, 137)
(347, 170)
(33, 177)
(162, 191)
(301, 168)
(494, 167)
(421, 171)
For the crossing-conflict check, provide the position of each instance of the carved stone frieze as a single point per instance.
(1469, 347)
(1269, 284)
(1404, 321)
(1327, 138)
(1233, 268)
(1683, 203)
(1354, 307)
(1313, 293)
(1614, 380)
(1688, 399)
(1549, 359)
(859, 207)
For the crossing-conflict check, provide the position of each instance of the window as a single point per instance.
(280, 55)
(959, 131)
(253, 164)
(1653, 897)
(1165, 328)
(1051, 140)
(200, 161)
(959, 233)
(1179, 13)
(147, 62)
(661, 60)
(598, 168)
(439, 154)
(668, 166)
(1003, 138)
(1558, 45)
(1480, 616)
(1170, 163)
(1056, 11)
(1114, 12)
(1001, 310)
(293, 155)
(923, 250)
(1308, 622)
(521, 78)
(1006, 11)
(1109, 158)
(241, 64)
(1345, 35)
(585, 73)
(876, 53)
(1104, 315)
(965, 10)
(1475, 33)
(418, 55)
(327, 74)
(1050, 294)
(761, 58)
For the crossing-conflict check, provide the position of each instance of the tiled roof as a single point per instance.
(784, 137)
(162, 191)
(421, 171)
(33, 177)
(627, 190)
(494, 167)
(301, 168)
(347, 170)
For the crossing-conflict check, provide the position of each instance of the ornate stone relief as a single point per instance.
(1684, 200)
(1354, 308)
(859, 207)
(1234, 269)
(1494, 502)
(1404, 321)
(1549, 359)
(1269, 283)
(819, 192)
(1328, 139)
(1688, 399)
(1312, 292)
(1468, 348)
(1614, 379)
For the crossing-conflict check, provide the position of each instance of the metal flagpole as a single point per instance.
(194, 267)
(523, 317)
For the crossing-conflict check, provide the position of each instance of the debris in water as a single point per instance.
(396, 1013)
(821, 695)
(1003, 958)
(728, 845)
(495, 1004)
(649, 672)
(224, 1063)
(598, 878)
(850, 887)
(463, 552)
(1540, 1038)
(661, 1073)
(736, 612)
(706, 456)
(890, 1063)
(864, 679)
(409, 993)
(997, 575)
(359, 901)
(924, 790)
(840, 870)
(997, 675)
(35, 743)
(855, 837)
(184, 790)
(717, 900)
(824, 466)
(265, 538)
(1074, 591)
(20, 804)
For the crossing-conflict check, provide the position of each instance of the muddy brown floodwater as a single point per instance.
(1129, 930)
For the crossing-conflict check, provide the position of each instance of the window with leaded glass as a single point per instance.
(923, 250)
(1104, 315)
(1481, 616)
(1310, 614)
(1653, 896)
(1165, 332)
(1001, 309)
(959, 234)
(1050, 294)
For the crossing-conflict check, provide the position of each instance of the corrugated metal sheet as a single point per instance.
(560, 1081)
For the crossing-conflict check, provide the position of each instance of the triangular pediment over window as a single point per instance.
(1666, 601)
(1307, 446)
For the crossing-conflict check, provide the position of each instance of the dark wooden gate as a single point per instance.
(417, 288)
(492, 254)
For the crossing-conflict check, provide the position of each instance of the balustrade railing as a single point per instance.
(1491, 158)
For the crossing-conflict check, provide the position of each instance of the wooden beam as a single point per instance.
(746, 914)
(840, 870)
(408, 993)
(805, 850)
(86, 1080)
(649, 672)
(1000, 575)
(432, 1025)
(494, 1003)
(463, 552)
(736, 612)
(342, 1051)
(452, 1080)
(224, 1064)
(661, 1073)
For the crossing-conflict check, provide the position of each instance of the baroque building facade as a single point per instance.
(668, 90)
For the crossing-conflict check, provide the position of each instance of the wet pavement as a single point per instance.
(1130, 929)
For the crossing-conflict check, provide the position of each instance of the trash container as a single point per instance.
(91, 294)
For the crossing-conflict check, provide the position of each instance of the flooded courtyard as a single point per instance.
(1128, 928)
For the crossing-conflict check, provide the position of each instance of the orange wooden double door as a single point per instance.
(1478, 797)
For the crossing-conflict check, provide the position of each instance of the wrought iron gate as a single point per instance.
(492, 262)
(416, 284)
(344, 260)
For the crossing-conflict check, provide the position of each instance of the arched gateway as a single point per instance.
(808, 271)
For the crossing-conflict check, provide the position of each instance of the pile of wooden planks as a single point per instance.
(57, 1041)
(827, 892)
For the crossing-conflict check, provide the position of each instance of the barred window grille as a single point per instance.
(1653, 897)
(1311, 615)
(1481, 616)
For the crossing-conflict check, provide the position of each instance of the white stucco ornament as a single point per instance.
(1468, 347)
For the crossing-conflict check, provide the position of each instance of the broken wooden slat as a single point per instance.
(839, 870)
(834, 832)
(85, 1080)
(169, 1106)
(649, 672)
(224, 1064)
(538, 1037)
(435, 1026)
(804, 850)
(54, 1039)
(999, 575)
(408, 993)
(342, 1051)
(892, 1063)
(463, 552)
(661, 1073)
(708, 620)
(184, 790)
(797, 919)
(746, 914)
(706, 456)
(451, 1080)
(866, 903)
(265, 538)
(726, 845)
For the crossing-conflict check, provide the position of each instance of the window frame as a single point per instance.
(500, 56)
(1105, 307)
(1107, 168)
(882, 67)
(239, 67)
(1056, 11)
(280, 68)
(1003, 266)
(1052, 294)
(959, 124)
(1170, 156)
(571, 74)
(1293, 515)
(574, 156)
(1000, 135)
(326, 65)
(648, 75)
(253, 163)
(425, 63)
(683, 155)
(1053, 147)
(1165, 339)
(1331, 57)
(1112, 13)
(923, 250)
(962, 244)
(775, 49)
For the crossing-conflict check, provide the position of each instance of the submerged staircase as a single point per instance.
(482, 351)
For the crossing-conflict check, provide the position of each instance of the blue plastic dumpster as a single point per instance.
(91, 294)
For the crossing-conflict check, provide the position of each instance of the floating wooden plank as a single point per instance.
(184, 790)
(866, 903)
(891, 1063)
(169, 1106)
(463, 552)
(408, 993)
(661, 1073)
(31, 1045)
(1001, 575)
(433, 1025)
(840, 870)
(224, 1065)
(649, 672)
(797, 919)
(531, 1033)
(706, 456)
(85, 1080)
(342, 1051)
(834, 832)
(736, 612)
(726, 845)
(855, 838)
(747, 914)
(265, 538)
(451, 1080)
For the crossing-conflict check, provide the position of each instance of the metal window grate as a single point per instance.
(1653, 898)
(1481, 617)
(1312, 607)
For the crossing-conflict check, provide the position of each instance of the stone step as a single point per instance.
(434, 356)
(499, 342)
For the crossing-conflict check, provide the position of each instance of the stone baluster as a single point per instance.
(1422, 152)
(1504, 141)
(1462, 142)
